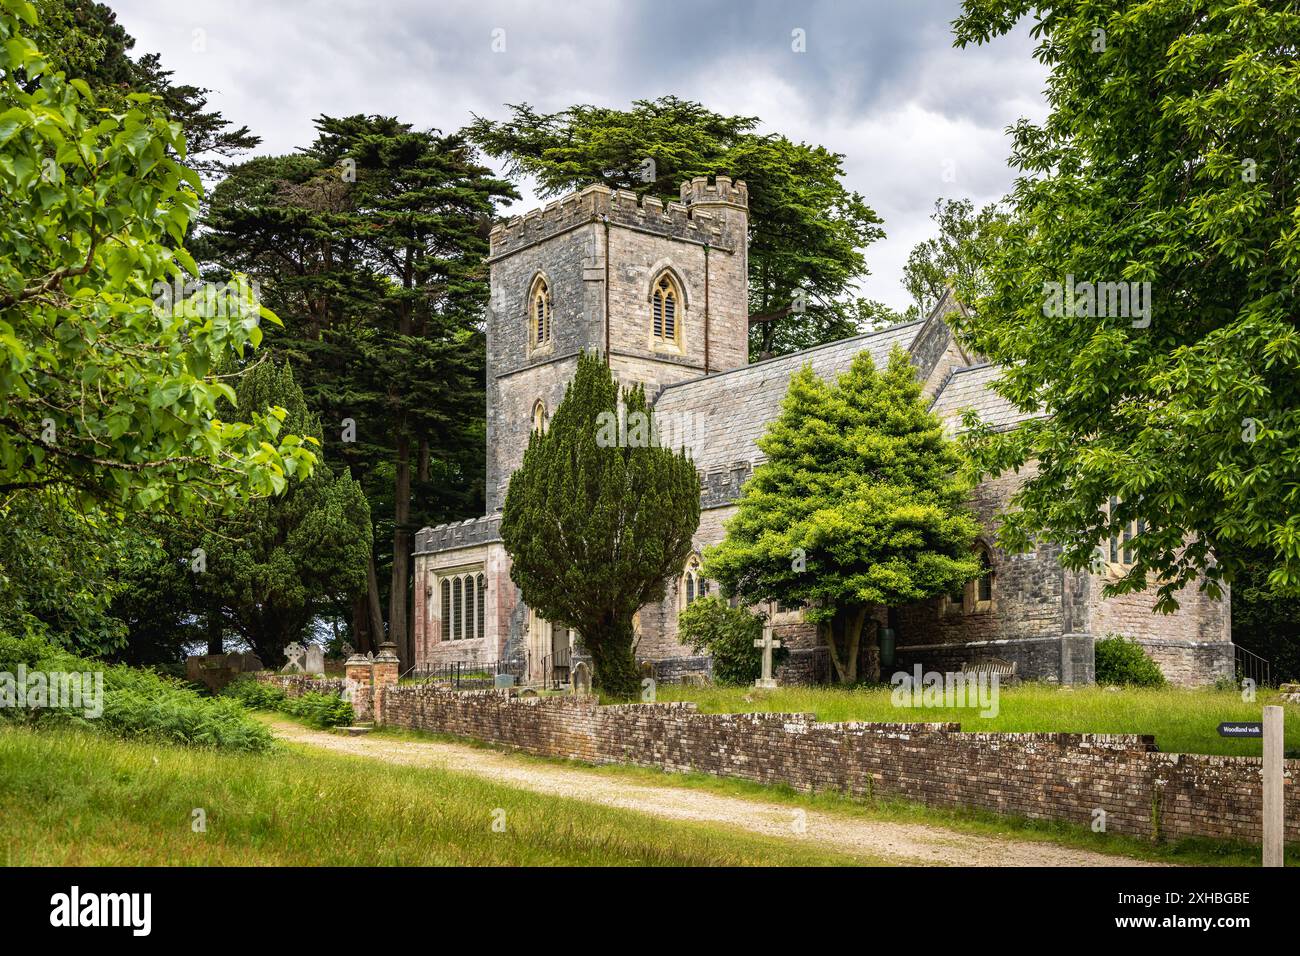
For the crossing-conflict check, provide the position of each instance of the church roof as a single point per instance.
(971, 389)
(720, 417)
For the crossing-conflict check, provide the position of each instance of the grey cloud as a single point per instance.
(880, 81)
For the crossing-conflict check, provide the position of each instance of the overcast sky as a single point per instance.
(879, 80)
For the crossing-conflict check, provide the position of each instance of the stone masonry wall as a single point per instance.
(295, 685)
(1042, 776)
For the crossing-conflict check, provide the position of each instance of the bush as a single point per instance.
(138, 704)
(320, 710)
(712, 626)
(1120, 660)
(255, 695)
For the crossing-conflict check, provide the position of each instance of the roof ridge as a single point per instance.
(788, 355)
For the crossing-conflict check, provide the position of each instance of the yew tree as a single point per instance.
(598, 518)
(857, 506)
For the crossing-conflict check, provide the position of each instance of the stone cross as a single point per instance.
(294, 654)
(768, 644)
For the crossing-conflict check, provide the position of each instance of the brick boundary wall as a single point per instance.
(1063, 777)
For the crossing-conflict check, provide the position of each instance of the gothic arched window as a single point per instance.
(984, 583)
(694, 584)
(540, 420)
(539, 314)
(666, 302)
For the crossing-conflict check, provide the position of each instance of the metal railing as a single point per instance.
(555, 668)
(468, 675)
(550, 671)
(1251, 665)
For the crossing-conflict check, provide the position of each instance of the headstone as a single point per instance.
(504, 680)
(294, 654)
(768, 643)
(315, 659)
(582, 679)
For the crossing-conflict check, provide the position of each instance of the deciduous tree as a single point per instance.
(1165, 170)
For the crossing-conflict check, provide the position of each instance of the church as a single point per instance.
(661, 290)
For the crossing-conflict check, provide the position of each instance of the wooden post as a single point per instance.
(1273, 809)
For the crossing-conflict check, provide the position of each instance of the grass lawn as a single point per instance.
(71, 797)
(1186, 852)
(1182, 720)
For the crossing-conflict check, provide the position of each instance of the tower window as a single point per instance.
(665, 312)
(539, 417)
(539, 314)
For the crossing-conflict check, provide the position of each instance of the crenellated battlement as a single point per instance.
(598, 203)
(721, 190)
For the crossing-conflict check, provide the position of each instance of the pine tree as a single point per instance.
(857, 506)
(598, 518)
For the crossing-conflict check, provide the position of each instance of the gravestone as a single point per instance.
(582, 679)
(315, 659)
(294, 654)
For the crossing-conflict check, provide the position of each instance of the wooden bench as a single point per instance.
(1006, 670)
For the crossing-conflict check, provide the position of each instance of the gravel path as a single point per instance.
(904, 843)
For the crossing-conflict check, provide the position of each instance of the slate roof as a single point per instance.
(969, 389)
(721, 417)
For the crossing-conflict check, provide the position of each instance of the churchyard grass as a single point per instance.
(1183, 720)
(1188, 852)
(70, 797)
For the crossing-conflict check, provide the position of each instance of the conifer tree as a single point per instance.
(598, 517)
(856, 507)
(275, 564)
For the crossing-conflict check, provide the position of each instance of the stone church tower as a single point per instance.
(661, 290)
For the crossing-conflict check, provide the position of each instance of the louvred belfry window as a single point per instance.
(665, 318)
(539, 316)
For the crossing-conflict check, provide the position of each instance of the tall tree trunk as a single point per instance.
(361, 623)
(376, 622)
(398, 631)
(216, 630)
(613, 658)
(843, 637)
